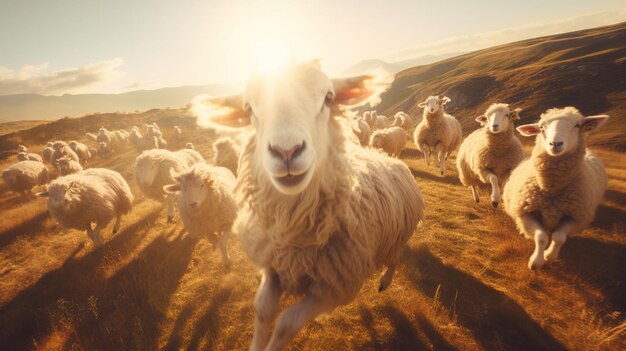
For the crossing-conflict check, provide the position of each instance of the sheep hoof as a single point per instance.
(170, 219)
(381, 287)
(494, 204)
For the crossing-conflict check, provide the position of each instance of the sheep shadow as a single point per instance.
(447, 179)
(30, 226)
(608, 217)
(494, 318)
(599, 263)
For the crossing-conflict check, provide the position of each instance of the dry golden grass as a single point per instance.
(462, 285)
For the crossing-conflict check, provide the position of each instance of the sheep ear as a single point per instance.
(222, 111)
(360, 89)
(482, 119)
(445, 100)
(42, 194)
(515, 114)
(592, 123)
(421, 104)
(529, 129)
(171, 188)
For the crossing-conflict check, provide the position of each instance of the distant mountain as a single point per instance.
(394, 67)
(39, 107)
(585, 69)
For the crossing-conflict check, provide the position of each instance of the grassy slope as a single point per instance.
(10, 127)
(463, 283)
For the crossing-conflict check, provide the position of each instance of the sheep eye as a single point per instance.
(577, 125)
(328, 99)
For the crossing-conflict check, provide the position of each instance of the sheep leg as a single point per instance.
(474, 189)
(439, 152)
(265, 305)
(385, 280)
(495, 186)
(94, 235)
(426, 152)
(116, 226)
(170, 208)
(294, 318)
(558, 239)
(532, 226)
(223, 242)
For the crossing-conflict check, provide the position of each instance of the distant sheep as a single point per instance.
(24, 175)
(91, 136)
(226, 151)
(403, 120)
(29, 156)
(206, 203)
(62, 149)
(438, 132)
(362, 131)
(68, 166)
(154, 168)
(489, 154)
(47, 153)
(556, 191)
(95, 195)
(81, 150)
(390, 140)
(22, 148)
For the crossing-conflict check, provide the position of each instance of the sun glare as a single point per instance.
(271, 55)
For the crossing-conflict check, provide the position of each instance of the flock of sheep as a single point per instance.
(303, 190)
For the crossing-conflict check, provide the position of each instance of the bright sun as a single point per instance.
(271, 55)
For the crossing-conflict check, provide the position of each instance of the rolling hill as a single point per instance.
(586, 69)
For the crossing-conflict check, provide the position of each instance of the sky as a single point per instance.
(83, 46)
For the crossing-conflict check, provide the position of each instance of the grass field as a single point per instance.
(463, 283)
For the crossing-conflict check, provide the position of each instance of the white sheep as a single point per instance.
(380, 122)
(390, 140)
(68, 166)
(318, 213)
(206, 203)
(153, 171)
(438, 132)
(226, 151)
(403, 120)
(95, 195)
(489, 154)
(81, 150)
(362, 131)
(29, 156)
(47, 153)
(134, 136)
(24, 175)
(556, 191)
(103, 149)
(62, 149)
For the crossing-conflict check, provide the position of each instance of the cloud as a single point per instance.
(479, 41)
(36, 79)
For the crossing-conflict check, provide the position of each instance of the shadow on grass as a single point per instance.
(608, 217)
(30, 226)
(434, 176)
(494, 318)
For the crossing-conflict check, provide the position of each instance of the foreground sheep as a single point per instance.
(226, 153)
(438, 132)
(489, 154)
(390, 140)
(206, 203)
(556, 191)
(95, 195)
(318, 213)
(29, 156)
(68, 166)
(153, 171)
(24, 175)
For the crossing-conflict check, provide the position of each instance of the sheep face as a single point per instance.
(65, 197)
(58, 145)
(377, 141)
(434, 103)
(290, 112)
(146, 171)
(498, 118)
(561, 129)
(22, 156)
(193, 187)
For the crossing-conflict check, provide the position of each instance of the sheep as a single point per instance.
(226, 151)
(317, 213)
(403, 120)
(189, 146)
(367, 117)
(380, 122)
(22, 148)
(114, 140)
(68, 166)
(103, 149)
(47, 153)
(24, 175)
(362, 131)
(390, 140)
(134, 136)
(147, 143)
(94, 195)
(62, 149)
(438, 132)
(153, 130)
(556, 191)
(153, 171)
(26, 156)
(489, 154)
(81, 150)
(206, 203)
(93, 152)
(91, 136)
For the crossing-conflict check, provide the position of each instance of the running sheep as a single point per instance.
(95, 195)
(318, 213)
(390, 140)
(81, 150)
(29, 156)
(68, 166)
(24, 175)
(489, 154)
(61, 149)
(556, 191)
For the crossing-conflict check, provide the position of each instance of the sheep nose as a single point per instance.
(194, 204)
(556, 144)
(496, 126)
(287, 155)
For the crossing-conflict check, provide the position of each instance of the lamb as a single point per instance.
(62, 149)
(438, 132)
(68, 166)
(489, 154)
(556, 191)
(318, 213)
(26, 156)
(24, 175)
(206, 203)
(153, 170)
(81, 150)
(390, 140)
(362, 131)
(93, 195)
(226, 151)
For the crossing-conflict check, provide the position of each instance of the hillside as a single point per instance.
(34, 106)
(394, 67)
(10, 127)
(586, 69)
